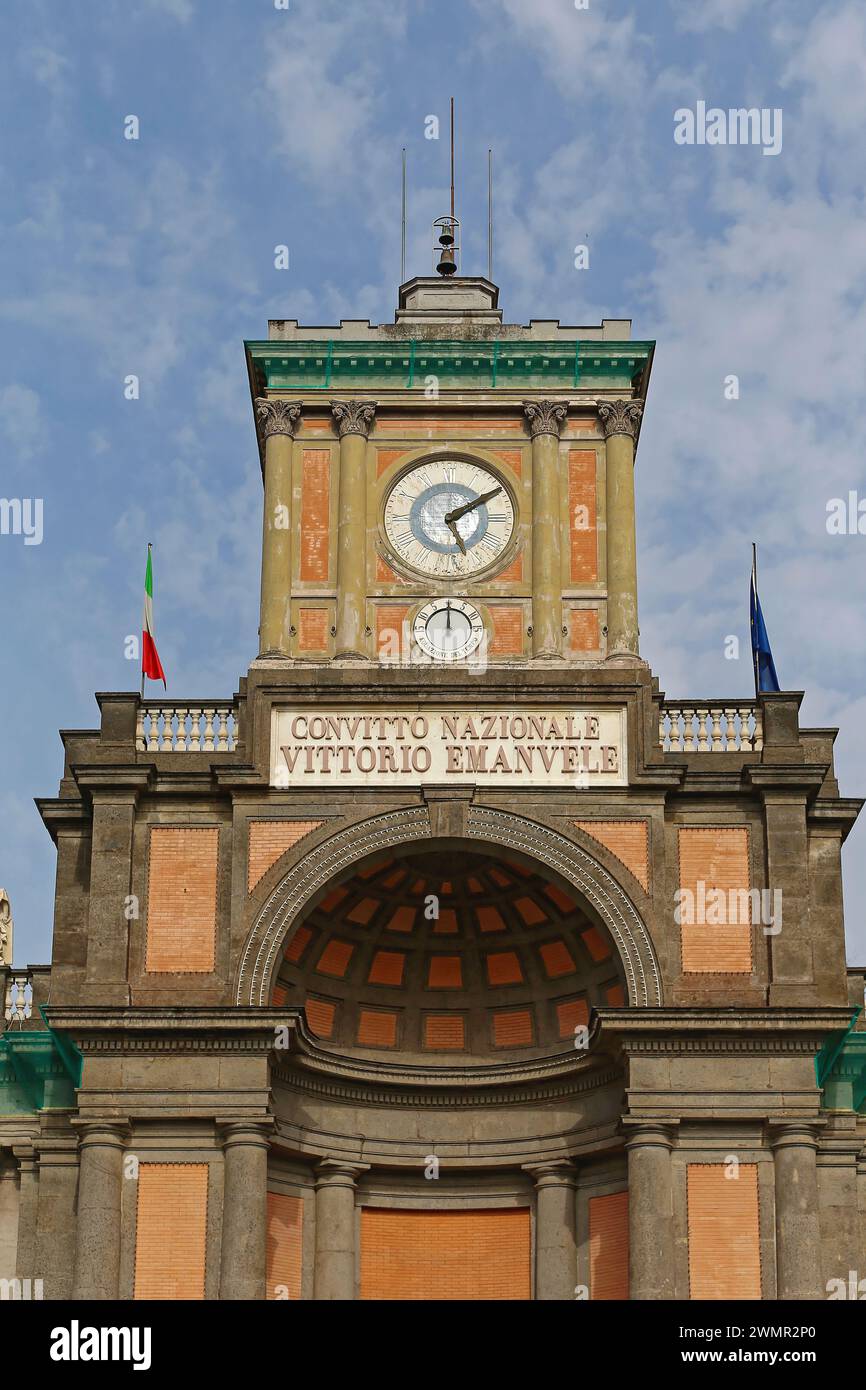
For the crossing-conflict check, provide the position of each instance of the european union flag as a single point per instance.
(762, 657)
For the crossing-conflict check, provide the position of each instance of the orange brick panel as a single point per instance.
(403, 919)
(171, 1231)
(718, 857)
(298, 944)
(530, 911)
(279, 995)
(284, 1245)
(384, 459)
(445, 1255)
(490, 918)
(584, 632)
(363, 911)
(320, 1017)
(377, 1029)
(444, 1032)
(507, 630)
(562, 900)
(512, 1028)
(595, 943)
(384, 572)
(557, 959)
(571, 1014)
(503, 968)
(387, 968)
(312, 629)
(335, 958)
(615, 996)
(627, 839)
(269, 840)
(391, 640)
(181, 900)
(513, 457)
(608, 1246)
(513, 573)
(582, 518)
(446, 923)
(724, 1241)
(315, 514)
(445, 972)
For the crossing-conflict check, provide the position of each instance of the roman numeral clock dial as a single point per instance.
(449, 519)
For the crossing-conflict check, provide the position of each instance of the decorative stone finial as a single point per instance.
(545, 417)
(353, 417)
(6, 928)
(620, 417)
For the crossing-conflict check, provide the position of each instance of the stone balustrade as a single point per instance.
(711, 728)
(18, 997)
(163, 728)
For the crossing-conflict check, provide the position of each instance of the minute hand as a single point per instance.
(470, 506)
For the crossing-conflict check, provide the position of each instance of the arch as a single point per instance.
(482, 825)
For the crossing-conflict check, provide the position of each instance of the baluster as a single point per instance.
(194, 732)
(208, 731)
(758, 736)
(688, 731)
(675, 730)
(717, 745)
(167, 731)
(153, 730)
(222, 738)
(745, 737)
(730, 730)
(237, 732)
(139, 730)
(661, 728)
(703, 744)
(180, 741)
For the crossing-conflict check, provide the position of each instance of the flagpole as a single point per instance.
(751, 619)
(142, 639)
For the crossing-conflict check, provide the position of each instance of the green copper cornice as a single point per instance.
(331, 364)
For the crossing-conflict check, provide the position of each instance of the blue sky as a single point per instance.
(261, 126)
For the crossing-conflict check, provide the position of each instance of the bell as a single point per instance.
(446, 236)
(447, 264)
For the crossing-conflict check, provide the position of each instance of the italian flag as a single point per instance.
(151, 666)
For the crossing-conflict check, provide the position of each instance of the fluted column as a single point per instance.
(546, 419)
(243, 1249)
(277, 420)
(353, 421)
(798, 1235)
(620, 421)
(100, 1179)
(650, 1210)
(335, 1229)
(555, 1230)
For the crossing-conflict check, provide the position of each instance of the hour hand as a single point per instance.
(470, 506)
(452, 527)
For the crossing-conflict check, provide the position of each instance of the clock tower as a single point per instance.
(449, 488)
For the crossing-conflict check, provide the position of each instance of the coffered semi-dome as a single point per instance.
(444, 954)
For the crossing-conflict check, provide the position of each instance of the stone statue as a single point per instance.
(6, 928)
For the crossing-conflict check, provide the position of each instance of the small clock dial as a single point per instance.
(449, 518)
(448, 629)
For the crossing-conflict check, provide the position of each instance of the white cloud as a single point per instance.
(21, 420)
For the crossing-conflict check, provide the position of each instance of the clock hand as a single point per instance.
(470, 506)
(456, 534)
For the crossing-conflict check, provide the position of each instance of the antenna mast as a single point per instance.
(490, 214)
(403, 226)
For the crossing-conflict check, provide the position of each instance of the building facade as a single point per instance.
(447, 958)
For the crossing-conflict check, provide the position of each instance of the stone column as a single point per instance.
(335, 1229)
(353, 420)
(798, 1233)
(243, 1248)
(100, 1180)
(55, 1217)
(555, 1229)
(28, 1193)
(546, 419)
(277, 420)
(650, 1210)
(106, 976)
(620, 421)
(9, 1206)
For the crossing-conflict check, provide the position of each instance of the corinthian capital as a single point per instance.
(545, 417)
(353, 417)
(277, 417)
(620, 417)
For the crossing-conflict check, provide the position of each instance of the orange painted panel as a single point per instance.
(724, 1232)
(514, 573)
(715, 858)
(269, 840)
(171, 1231)
(584, 631)
(312, 629)
(512, 1028)
(391, 639)
(627, 839)
(284, 1245)
(444, 1032)
(315, 514)
(507, 630)
(608, 1246)
(181, 899)
(377, 1029)
(512, 457)
(582, 515)
(445, 1255)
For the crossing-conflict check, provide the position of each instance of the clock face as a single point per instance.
(449, 518)
(448, 629)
